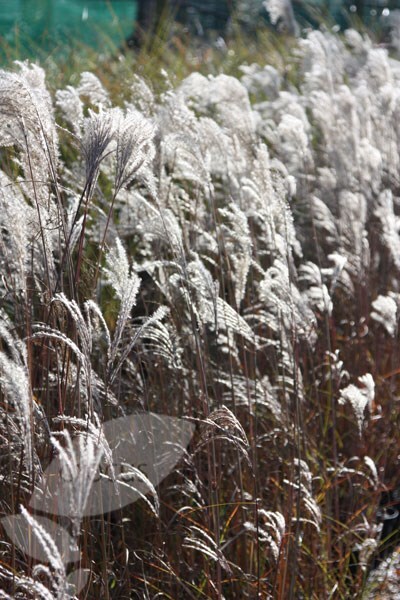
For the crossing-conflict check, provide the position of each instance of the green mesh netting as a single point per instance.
(53, 22)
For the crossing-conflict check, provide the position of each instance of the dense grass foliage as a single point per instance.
(224, 251)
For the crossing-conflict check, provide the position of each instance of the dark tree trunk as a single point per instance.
(360, 8)
(149, 13)
(212, 14)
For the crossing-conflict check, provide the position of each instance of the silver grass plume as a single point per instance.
(201, 541)
(224, 97)
(134, 147)
(238, 245)
(91, 87)
(390, 225)
(316, 291)
(141, 97)
(125, 282)
(98, 133)
(266, 192)
(15, 235)
(255, 395)
(270, 529)
(71, 106)
(66, 486)
(310, 511)
(212, 309)
(281, 11)
(385, 312)
(58, 572)
(27, 122)
(222, 424)
(18, 396)
(28, 585)
(283, 302)
(360, 398)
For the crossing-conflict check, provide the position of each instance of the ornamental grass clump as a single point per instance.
(213, 271)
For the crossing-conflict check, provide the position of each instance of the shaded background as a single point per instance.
(49, 22)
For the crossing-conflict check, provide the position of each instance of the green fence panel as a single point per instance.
(51, 22)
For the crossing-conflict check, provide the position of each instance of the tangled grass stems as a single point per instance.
(224, 250)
